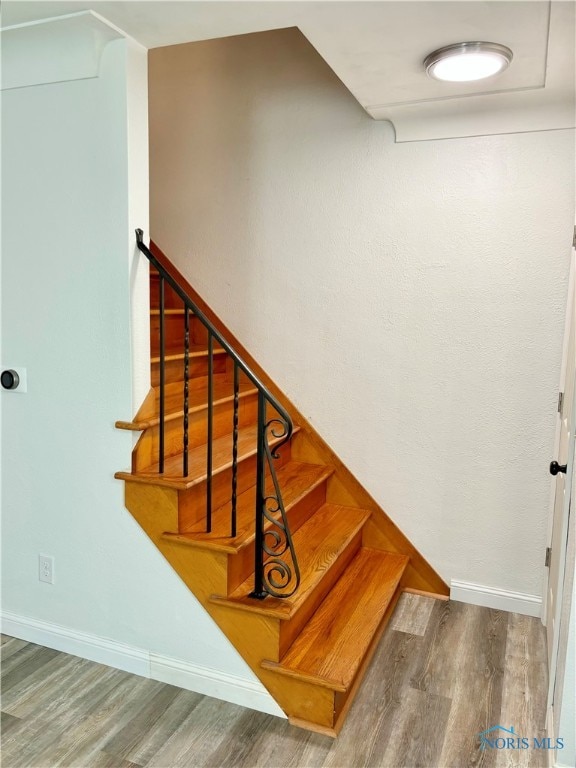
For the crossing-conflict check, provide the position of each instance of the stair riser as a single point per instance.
(304, 701)
(171, 299)
(192, 502)
(147, 449)
(174, 332)
(155, 509)
(199, 384)
(197, 366)
(175, 395)
(241, 565)
(289, 630)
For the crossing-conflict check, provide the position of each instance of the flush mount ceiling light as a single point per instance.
(464, 62)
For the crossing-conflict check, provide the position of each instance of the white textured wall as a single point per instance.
(72, 194)
(409, 298)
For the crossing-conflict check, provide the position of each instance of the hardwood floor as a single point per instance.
(443, 672)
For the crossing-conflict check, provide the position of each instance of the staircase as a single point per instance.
(291, 557)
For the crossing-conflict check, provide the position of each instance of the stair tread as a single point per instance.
(221, 460)
(197, 401)
(331, 647)
(156, 312)
(195, 350)
(295, 478)
(318, 544)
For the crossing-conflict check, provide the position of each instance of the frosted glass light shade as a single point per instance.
(466, 62)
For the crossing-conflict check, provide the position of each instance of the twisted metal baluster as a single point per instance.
(259, 592)
(210, 428)
(162, 376)
(186, 366)
(234, 453)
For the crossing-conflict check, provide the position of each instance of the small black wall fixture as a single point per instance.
(9, 379)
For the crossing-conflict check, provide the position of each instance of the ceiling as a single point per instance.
(377, 49)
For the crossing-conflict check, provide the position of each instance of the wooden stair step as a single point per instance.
(197, 400)
(196, 350)
(330, 649)
(318, 545)
(295, 479)
(156, 312)
(221, 460)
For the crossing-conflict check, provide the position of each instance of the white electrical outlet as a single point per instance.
(46, 568)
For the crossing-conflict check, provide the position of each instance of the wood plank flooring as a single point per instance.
(443, 672)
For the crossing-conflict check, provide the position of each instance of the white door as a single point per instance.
(563, 467)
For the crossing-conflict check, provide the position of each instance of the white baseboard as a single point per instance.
(501, 599)
(87, 646)
(183, 674)
(211, 682)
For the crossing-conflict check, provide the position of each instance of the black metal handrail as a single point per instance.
(272, 575)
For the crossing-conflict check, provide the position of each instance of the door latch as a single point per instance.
(555, 468)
